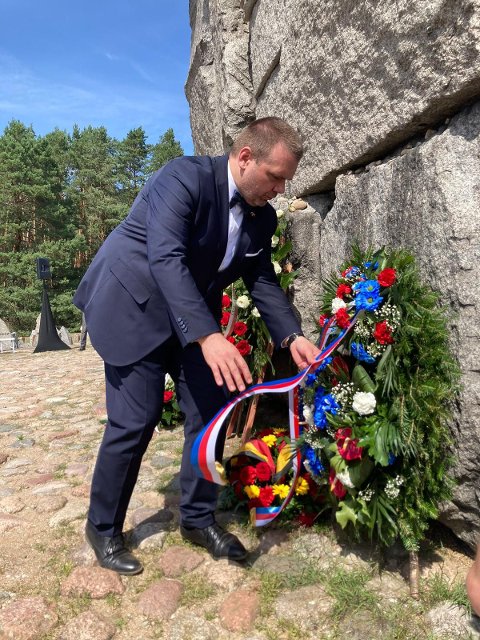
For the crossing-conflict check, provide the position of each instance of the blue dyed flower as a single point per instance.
(391, 458)
(310, 379)
(352, 272)
(324, 364)
(330, 404)
(369, 264)
(367, 302)
(360, 353)
(324, 403)
(315, 465)
(367, 288)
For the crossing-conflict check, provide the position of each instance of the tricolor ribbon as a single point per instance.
(203, 450)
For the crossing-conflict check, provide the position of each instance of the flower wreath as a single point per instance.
(376, 438)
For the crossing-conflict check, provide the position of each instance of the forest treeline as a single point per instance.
(60, 196)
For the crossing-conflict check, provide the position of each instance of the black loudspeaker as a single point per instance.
(43, 269)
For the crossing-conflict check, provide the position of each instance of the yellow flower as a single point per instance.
(269, 440)
(252, 491)
(301, 488)
(279, 432)
(281, 490)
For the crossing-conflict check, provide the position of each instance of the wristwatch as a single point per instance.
(286, 342)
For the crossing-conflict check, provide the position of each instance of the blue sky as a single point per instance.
(121, 64)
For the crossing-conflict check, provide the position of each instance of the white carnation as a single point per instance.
(243, 302)
(308, 414)
(168, 382)
(338, 303)
(364, 403)
(255, 312)
(277, 267)
(275, 241)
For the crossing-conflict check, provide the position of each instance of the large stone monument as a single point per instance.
(387, 98)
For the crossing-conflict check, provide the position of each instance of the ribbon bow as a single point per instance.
(237, 198)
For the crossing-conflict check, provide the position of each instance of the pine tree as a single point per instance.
(132, 163)
(165, 150)
(93, 187)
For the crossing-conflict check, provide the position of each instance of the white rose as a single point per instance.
(364, 403)
(243, 302)
(255, 312)
(277, 267)
(280, 213)
(168, 382)
(308, 415)
(337, 303)
(275, 241)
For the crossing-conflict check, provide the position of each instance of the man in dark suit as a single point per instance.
(152, 302)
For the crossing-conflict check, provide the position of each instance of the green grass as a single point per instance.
(196, 589)
(438, 588)
(348, 587)
(272, 584)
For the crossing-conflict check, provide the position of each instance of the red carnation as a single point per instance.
(231, 339)
(382, 333)
(387, 277)
(323, 319)
(342, 318)
(266, 496)
(167, 396)
(225, 318)
(264, 472)
(336, 487)
(244, 347)
(343, 290)
(240, 328)
(226, 301)
(248, 475)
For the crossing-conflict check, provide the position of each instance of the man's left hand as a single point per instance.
(303, 352)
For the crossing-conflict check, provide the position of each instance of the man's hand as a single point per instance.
(303, 352)
(225, 361)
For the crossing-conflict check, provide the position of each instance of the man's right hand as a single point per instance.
(225, 361)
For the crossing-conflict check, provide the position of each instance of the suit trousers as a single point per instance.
(134, 395)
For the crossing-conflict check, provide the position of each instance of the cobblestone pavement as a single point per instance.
(51, 420)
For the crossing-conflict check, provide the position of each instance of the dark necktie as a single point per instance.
(237, 198)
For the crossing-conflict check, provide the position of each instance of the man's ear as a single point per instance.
(245, 156)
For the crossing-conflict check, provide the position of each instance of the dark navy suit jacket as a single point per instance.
(157, 273)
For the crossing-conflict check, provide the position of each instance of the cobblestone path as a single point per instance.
(51, 422)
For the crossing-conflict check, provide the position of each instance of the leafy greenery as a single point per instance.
(60, 196)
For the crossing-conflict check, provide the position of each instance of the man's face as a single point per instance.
(262, 180)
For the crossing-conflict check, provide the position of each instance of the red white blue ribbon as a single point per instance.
(203, 451)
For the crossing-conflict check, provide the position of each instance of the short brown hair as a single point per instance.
(263, 134)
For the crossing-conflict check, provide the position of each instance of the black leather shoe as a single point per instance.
(218, 542)
(111, 552)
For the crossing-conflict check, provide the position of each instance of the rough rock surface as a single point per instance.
(356, 78)
(27, 619)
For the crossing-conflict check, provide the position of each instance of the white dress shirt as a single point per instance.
(235, 218)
